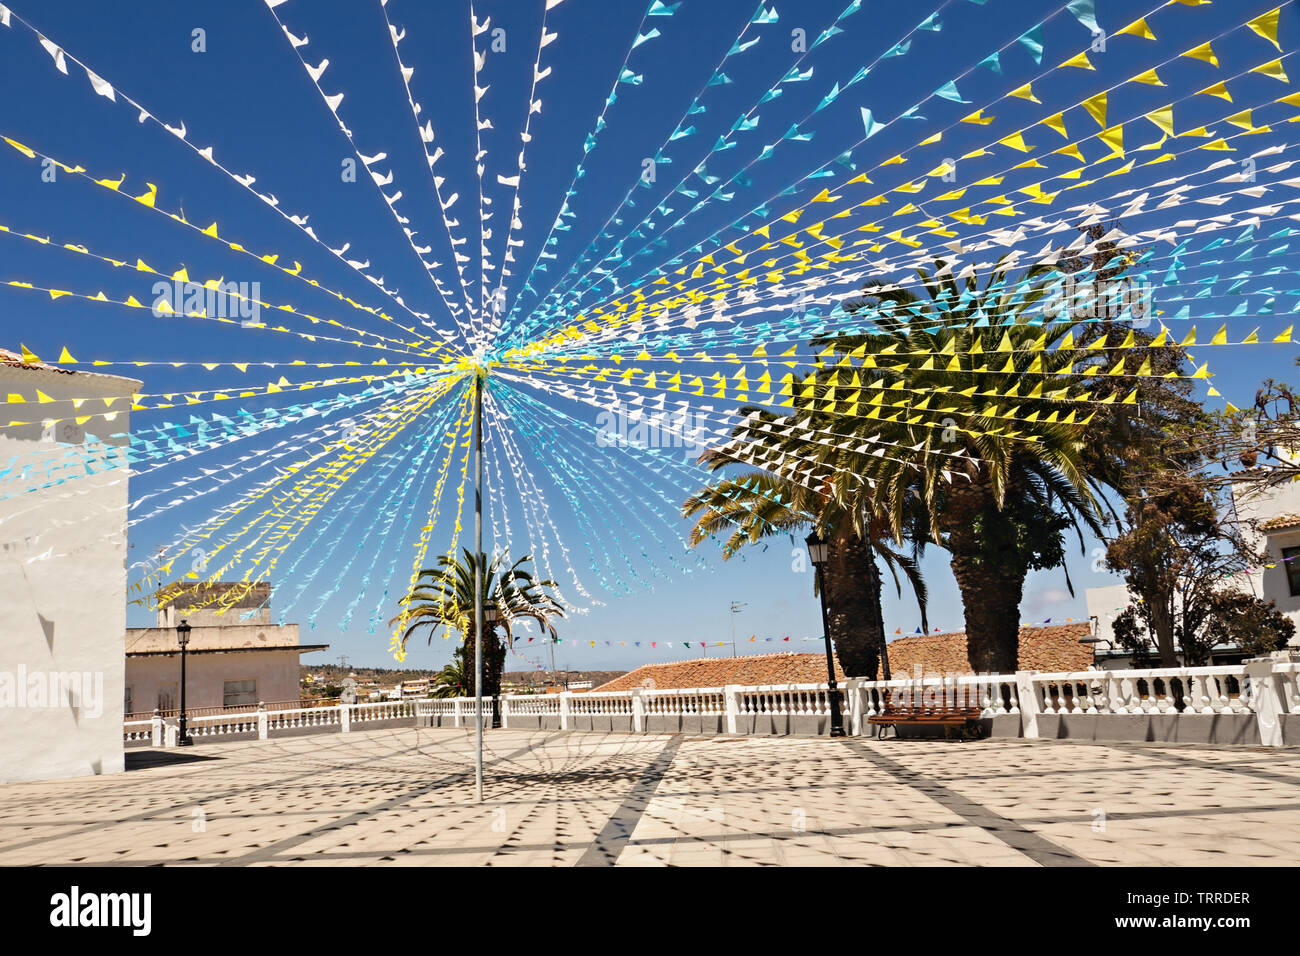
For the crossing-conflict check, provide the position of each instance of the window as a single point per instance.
(128, 705)
(1291, 559)
(240, 692)
(167, 698)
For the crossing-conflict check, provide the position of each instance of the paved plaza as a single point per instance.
(406, 796)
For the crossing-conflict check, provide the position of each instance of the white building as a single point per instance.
(1275, 513)
(234, 659)
(63, 501)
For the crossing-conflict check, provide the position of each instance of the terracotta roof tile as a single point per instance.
(1280, 522)
(787, 668)
(1055, 647)
(1051, 648)
(15, 360)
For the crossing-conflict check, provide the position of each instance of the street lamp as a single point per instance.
(736, 608)
(818, 550)
(183, 638)
(490, 617)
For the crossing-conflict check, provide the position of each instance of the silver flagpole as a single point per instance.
(478, 583)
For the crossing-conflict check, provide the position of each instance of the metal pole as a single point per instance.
(183, 738)
(837, 718)
(478, 585)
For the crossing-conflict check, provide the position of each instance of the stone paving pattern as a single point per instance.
(405, 796)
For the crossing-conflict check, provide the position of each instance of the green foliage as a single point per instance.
(1254, 625)
(444, 597)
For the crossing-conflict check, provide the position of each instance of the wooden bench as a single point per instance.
(964, 720)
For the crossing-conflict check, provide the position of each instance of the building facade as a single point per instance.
(63, 555)
(234, 659)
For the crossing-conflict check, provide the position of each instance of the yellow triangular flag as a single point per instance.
(1164, 118)
(1274, 69)
(1266, 26)
(1203, 52)
(1095, 105)
(1055, 122)
(1218, 89)
(1072, 150)
(1114, 138)
(1241, 119)
(1015, 141)
(1025, 92)
(1081, 61)
(1139, 28)
(1150, 77)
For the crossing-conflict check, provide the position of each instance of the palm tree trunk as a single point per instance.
(853, 605)
(494, 657)
(991, 602)
(991, 585)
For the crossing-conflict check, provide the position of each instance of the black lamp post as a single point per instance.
(183, 638)
(817, 553)
(490, 617)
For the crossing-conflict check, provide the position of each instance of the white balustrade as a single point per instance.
(606, 703)
(134, 731)
(1217, 689)
(1213, 690)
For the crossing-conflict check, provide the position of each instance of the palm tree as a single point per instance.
(455, 679)
(758, 504)
(992, 447)
(444, 598)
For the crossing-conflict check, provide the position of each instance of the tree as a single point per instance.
(1254, 625)
(1226, 616)
(444, 598)
(1179, 545)
(755, 504)
(455, 679)
(990, 442)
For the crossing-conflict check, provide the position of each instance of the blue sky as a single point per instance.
(249, 98)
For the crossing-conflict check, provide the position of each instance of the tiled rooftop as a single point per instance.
(1054, 647)
(1280, 522)
(788, 668)
(15, 360)
(1051, 648)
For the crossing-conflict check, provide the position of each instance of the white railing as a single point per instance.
(163, 732)
(1263, 689)
(223, 725)
(137, 730)
(383, 710)
(684, 702)
(1288, 675)
(1221, 689)
(790, 700)
(602, 703)
(531, 705)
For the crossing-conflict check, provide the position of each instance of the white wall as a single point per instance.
(62, 583)
(276, 673)
(1271, 583)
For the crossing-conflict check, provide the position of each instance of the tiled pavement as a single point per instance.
(405, 796)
